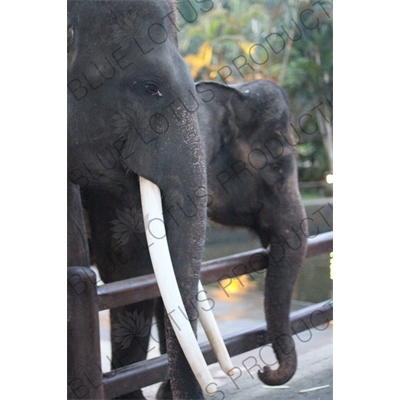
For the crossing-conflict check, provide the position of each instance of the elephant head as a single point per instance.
(131, 129)
(252, 182)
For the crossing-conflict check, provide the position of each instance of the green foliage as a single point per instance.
(288, 42)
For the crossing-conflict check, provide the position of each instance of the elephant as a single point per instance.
(134, 113)
(133, 132)
(252, 183)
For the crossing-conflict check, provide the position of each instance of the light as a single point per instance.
(232, 286)
(329, 179)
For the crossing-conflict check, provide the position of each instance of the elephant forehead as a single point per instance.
(91, 13)
(102, 28)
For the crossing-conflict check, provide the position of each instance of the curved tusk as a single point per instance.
(214, 336)
(164, 273)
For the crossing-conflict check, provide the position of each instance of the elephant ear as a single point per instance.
(227, 107)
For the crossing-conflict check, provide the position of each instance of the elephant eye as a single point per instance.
(153, 89)
(276, 167)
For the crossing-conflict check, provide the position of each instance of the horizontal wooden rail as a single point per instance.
(145, 287)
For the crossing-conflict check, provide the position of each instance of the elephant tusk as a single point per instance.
(164, 273)
(213, 334)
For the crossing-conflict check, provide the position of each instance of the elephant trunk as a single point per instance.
(287, 247)
(287, 358)
(277, 309)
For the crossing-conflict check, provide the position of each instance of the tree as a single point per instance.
(289, 42)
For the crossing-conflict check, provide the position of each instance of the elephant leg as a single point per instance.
(119, 252)
(130, 333)
(159, 314)
(164, 391)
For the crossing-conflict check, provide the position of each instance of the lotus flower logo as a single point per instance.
(126, 29)
(128, 221)
(129, 118)
(129, 326)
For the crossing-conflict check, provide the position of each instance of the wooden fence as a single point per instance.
(85, 299)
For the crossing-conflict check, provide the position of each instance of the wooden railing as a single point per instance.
(86, 299)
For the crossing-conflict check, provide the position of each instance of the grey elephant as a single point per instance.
(131, 126)
(252, 183)
(132, 115)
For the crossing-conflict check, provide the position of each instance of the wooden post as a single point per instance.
(84, 361)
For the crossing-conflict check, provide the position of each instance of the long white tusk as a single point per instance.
(211, 329)
(164, 273)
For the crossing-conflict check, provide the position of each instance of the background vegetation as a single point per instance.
(286, 41)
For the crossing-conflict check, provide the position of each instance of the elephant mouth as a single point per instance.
(164, 273)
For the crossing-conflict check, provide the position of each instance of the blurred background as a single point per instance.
(288, 42)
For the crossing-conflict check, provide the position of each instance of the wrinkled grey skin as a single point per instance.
(252, 183)
(130, 113)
